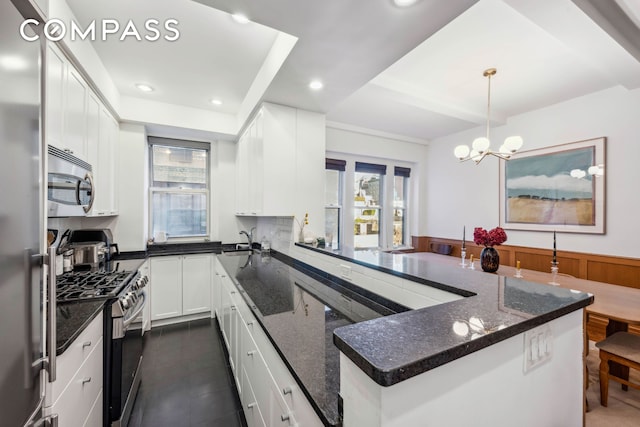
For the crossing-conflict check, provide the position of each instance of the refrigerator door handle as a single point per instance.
(31, 367)
(51, 315)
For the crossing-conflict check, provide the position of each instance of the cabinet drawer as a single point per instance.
(94, 419)
(251, 406)
(75, 356)
(76, 402)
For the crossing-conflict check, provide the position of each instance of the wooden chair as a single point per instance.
(440, 248)
(622, 348)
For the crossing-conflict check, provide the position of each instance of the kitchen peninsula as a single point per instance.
(508, 352)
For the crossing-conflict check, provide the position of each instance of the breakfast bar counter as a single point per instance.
(486, 349)
(394, 348)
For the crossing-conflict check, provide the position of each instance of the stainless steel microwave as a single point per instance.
(70, 189)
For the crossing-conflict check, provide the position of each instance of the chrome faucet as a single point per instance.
(249, 238)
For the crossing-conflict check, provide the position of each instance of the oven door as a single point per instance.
(126, 363)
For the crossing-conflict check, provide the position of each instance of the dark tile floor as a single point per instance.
(186, 379)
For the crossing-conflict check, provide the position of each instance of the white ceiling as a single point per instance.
(414, 72)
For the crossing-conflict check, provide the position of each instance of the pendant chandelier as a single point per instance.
(481, 146)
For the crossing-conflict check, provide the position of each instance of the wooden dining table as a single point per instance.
(618, 305)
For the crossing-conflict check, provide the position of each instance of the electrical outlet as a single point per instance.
(345, 271)
(538, 347)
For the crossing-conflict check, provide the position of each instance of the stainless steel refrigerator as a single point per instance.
(23, 307)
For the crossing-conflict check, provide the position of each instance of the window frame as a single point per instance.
(340, 166)
(385, 241)
(177, 143)
(405, 174)
(381, 208)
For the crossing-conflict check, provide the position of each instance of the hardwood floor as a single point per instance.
(186, 379)
(623, 409)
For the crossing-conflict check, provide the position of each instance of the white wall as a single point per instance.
(224, 197)
(130, 229)
(356, 145)
(458, 194)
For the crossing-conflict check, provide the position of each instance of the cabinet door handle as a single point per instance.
(287, 390)
(233, 307)
(251, 405)
(285, 417)
(86, 380)
(250, 323)
(86, 344)
(251, 353)
(232, 292)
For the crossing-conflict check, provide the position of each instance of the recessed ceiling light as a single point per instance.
(316, 84)
(216, 102)
(240, 18)
(404, 3)
(144, 87)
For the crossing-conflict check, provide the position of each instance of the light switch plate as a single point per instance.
(345, 271)
(538, 347)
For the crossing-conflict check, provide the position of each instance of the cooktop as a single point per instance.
(88, 285)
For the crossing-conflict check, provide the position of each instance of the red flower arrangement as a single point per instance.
(495, 237)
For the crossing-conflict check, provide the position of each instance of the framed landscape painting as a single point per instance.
(558, 188)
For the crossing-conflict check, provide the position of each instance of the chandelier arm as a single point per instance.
(501, 155)
(481, 157)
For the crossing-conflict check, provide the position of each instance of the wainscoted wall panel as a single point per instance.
(601, 268)
(613, 271)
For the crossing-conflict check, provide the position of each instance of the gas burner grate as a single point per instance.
(89, 285)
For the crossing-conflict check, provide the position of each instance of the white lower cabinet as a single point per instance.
(269, 394)
(95, 415)
(252, 412)
(76, 394)
(196, 284)
(180, 285)
(219, 274)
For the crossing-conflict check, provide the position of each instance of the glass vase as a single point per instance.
(489, 259)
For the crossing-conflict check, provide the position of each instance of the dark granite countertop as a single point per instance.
(73, 317)
(394, 348)
(299, 310)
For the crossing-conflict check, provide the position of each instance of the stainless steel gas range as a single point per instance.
(124, 294)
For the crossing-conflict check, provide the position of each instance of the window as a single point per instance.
(179, 187)
(401, 178)
(334, 176)
(367, 208)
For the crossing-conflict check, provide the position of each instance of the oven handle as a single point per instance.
(129, 321)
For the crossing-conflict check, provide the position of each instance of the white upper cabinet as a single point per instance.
(74, 136)
(77, 121)
(266, 163)
(105, 175)
(65, 105)
(55, 81)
